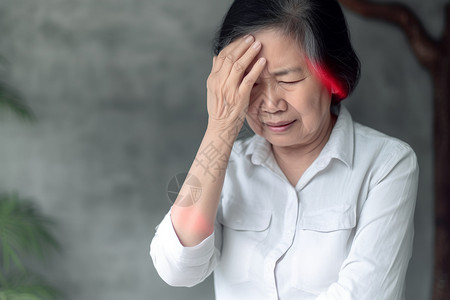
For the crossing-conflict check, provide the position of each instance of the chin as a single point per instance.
(279, 141)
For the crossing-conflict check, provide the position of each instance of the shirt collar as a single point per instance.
(341, 142)
(259, 150)
(339, 146)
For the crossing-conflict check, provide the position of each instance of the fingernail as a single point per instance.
(248, 39)
(256, 45)
(262, 60)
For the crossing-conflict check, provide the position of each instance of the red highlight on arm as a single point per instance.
(191, 225)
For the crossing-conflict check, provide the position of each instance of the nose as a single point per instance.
(272, 100)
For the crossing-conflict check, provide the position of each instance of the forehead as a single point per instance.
(281, 51)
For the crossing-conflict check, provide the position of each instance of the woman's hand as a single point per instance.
(228, 84)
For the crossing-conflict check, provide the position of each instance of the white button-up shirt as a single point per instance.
(345, 231)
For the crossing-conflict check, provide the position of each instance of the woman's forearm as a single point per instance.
(194, 211)
(228, 93)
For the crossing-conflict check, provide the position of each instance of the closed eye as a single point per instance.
(291, 82)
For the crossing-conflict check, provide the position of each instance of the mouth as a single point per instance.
(279, 126)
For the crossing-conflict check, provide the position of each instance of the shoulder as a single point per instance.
(371, 141)
(360, 146)
(382, 154)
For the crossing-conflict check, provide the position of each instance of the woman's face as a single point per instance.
(289, 105)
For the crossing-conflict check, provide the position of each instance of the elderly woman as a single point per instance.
(314, 205)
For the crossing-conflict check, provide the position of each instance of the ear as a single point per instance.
(334, 87)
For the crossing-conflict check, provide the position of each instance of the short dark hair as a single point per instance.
(319, 26)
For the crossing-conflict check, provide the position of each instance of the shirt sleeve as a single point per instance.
(382, 246)
(178, 265)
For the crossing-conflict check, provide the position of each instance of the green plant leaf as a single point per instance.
(28, 292)
(26, 286)
(10, 99)
(24, 232)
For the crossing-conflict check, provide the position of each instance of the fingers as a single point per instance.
(230, 54)
(228, 88)
(242, 64)
(249, 80)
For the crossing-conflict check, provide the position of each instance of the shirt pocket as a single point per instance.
(243, 217)
(323, 241)
(329, 219)
(244, 227)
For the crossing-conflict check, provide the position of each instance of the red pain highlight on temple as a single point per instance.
(329, 81)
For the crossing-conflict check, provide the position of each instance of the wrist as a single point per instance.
(226, 132)
(225, 125)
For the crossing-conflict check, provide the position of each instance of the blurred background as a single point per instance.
(118, 91)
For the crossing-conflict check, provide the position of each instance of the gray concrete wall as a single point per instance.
(118, 88)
